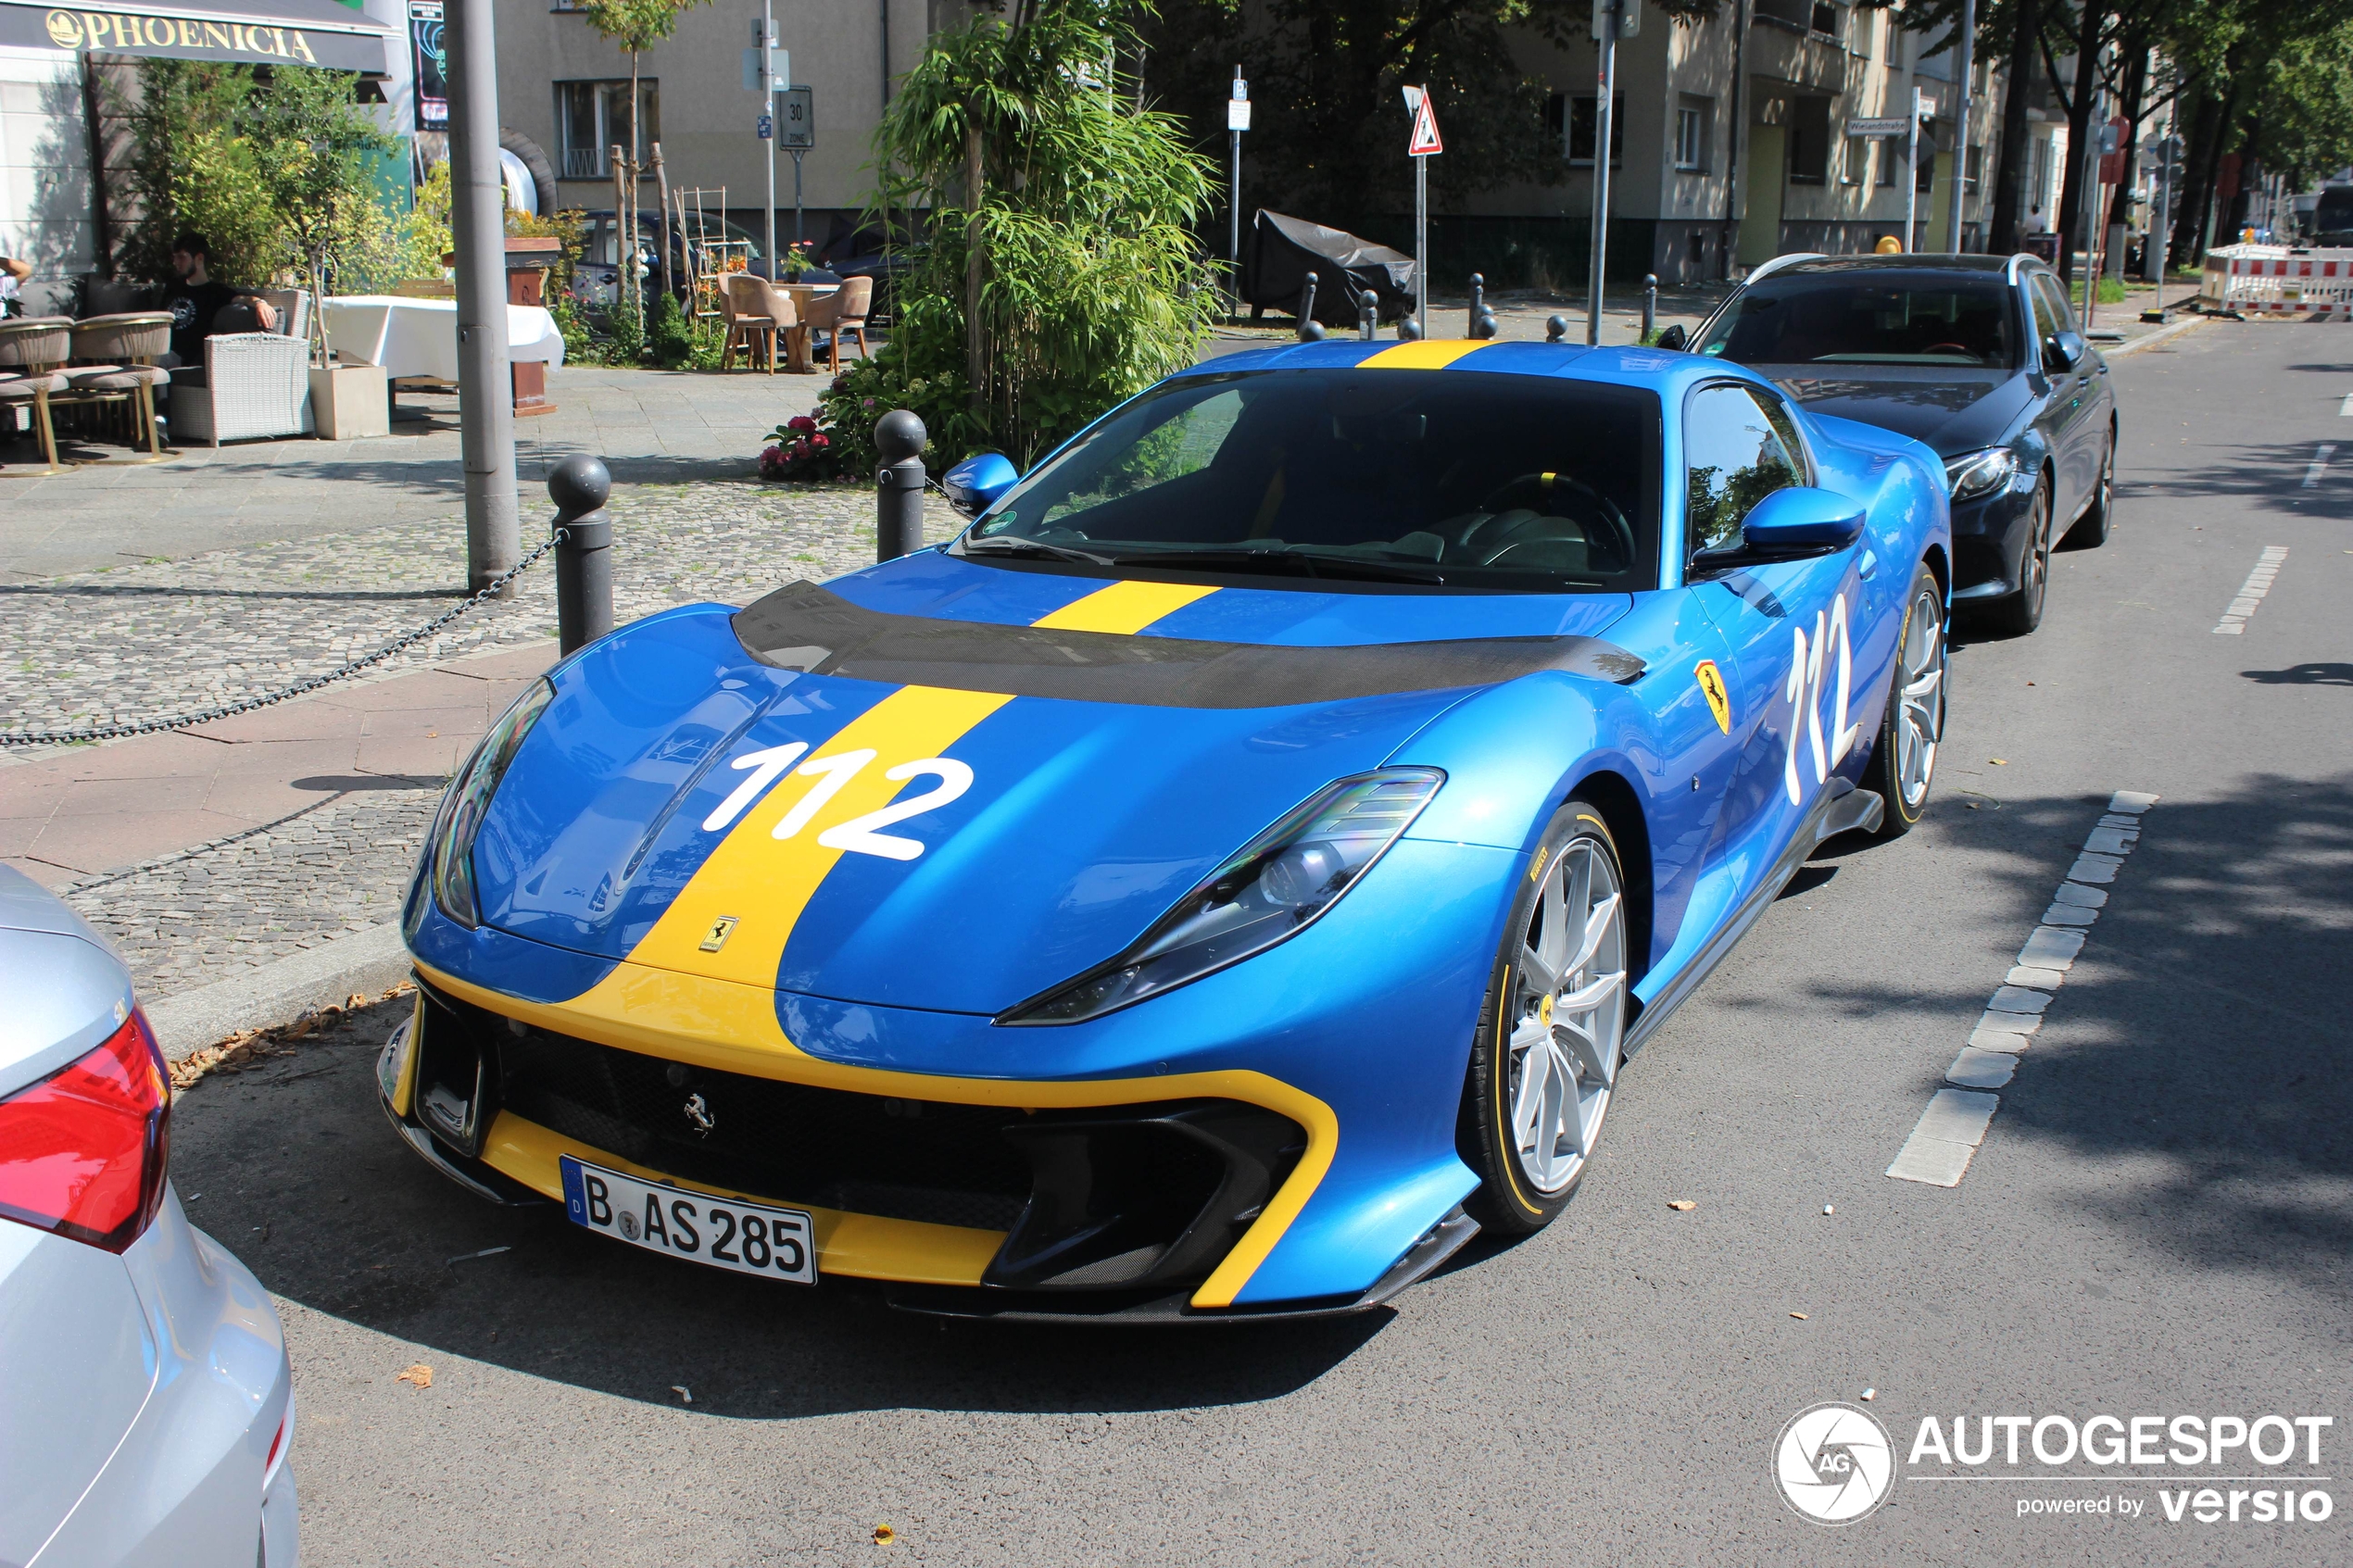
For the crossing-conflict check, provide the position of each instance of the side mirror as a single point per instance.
(974, 485)
(1673, 339)
(1800, 520)
(2063, 351)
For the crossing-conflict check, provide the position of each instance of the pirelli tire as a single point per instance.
(1552, 1033)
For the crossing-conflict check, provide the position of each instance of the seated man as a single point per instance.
(196, 299)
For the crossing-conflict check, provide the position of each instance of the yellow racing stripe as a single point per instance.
(1429, 354)
(1124, 607)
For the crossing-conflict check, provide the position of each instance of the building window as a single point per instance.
(1976, 169)
(1857, 168)
(1924, 173)
(1580, 128)
(1809, 140)
(593, 117)
(1890, 163)
(2038, 179)
(1796, 14)
(1691, 127)
(1824, 20)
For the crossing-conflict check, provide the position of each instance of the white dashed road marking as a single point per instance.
(2346, 408)
(2258, 584)
(1952, 1128)
(2317, 466)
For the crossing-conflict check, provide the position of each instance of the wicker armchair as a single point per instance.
(256, 385)
(843, 314)
(31, 348)
(757, 315)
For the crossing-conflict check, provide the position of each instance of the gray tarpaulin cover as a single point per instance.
(1284, 250)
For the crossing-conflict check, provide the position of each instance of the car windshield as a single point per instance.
(1940, 320)
(1436, 478)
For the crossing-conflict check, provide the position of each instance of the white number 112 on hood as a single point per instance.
(858, 835)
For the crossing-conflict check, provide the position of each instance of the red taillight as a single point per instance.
(82, 1151)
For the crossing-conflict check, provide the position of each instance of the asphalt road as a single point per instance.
(2157, 1222)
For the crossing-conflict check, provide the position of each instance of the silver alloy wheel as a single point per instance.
(1568, 1016)
(2035, 571)
(1920, 718)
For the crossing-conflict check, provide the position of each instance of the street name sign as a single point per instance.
(1880, 125)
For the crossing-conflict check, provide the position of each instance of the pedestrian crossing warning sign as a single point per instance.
(1425, 140)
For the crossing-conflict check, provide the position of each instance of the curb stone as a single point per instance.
(367, 961)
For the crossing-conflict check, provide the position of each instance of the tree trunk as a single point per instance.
(2197, 176)
(628, 215)
(2137, 82)
(2009, 175)
(976, 359)
(2079, 127)
(661, 189)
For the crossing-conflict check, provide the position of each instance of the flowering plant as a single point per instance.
(798, 450)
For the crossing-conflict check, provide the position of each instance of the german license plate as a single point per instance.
(750, 1238)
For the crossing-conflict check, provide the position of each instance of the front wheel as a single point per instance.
(1546, 1058)
(2022, 611)
(2091, 530)
(1905, 759)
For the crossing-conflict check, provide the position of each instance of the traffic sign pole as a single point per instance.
(1423, 145)
(1237, 121)
(1609, 13)
(1912, 177)
(768, 113)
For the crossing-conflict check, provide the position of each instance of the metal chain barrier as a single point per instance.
(186, 721)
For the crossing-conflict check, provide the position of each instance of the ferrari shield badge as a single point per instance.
(716, 937)
(1711, 686)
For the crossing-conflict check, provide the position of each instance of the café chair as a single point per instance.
(843, 313)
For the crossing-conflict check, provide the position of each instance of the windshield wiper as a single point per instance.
(1005, 544)
(1289, 563)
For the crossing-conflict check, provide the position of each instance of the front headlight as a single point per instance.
(1974, 473)
(468, 802)
(1271, 889)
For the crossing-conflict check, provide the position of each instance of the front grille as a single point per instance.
(900, 1159)
(1128, 1196)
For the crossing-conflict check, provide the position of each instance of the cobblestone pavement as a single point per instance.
(191, 919)
(169, 637)
(138, 640)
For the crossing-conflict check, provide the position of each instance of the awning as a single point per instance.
(303, 32)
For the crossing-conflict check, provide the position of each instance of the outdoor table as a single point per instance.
(798, 358)
(417, 338)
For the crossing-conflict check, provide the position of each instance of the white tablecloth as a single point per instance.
(419, 337)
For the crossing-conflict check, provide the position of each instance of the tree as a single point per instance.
(316, 154)
(636, 26)
(1329, 136)
(1058, 273)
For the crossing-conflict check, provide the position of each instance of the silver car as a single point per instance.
(150, 1408)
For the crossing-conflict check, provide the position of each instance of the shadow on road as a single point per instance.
(2303, 675)
(2266, 476)
(299, 1174)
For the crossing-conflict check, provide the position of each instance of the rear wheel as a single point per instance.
(1904, 761)
(1545, 1061)
(2022, 611)
(2091, 530)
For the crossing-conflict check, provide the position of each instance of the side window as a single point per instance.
(1733, 457)
(2051, 314)
(1777, 413)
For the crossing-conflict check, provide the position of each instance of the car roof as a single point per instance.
(1875, 263)
(1659, 369)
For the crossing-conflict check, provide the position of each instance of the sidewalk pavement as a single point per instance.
(648, 426)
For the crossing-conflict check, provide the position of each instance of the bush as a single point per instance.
(668, 335)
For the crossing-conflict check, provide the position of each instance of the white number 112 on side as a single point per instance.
(860, 835)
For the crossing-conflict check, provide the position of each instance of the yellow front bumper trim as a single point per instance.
(861, 1245)
(701, 1021)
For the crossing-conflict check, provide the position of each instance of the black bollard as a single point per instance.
(1310, 329)
(1650, 304)
(1408, 330)
(898, 484)
(1367, 315)
(1478, 306)
(584, 557)
(1555, 328)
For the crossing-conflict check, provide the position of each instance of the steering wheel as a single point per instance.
(1547, 486)
(1956, 347)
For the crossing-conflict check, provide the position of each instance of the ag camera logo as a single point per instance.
(1834, 1463)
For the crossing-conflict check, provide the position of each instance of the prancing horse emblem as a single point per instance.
(700, 1114)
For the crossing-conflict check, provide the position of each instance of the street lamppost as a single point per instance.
(478, 233)
(1613, 19)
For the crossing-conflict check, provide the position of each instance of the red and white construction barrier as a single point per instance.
(2275, 281)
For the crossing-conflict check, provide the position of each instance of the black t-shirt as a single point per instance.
(192, 306)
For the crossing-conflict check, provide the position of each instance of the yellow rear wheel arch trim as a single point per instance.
(623, 1031)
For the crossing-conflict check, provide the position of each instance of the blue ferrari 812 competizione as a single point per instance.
(1228, 875)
